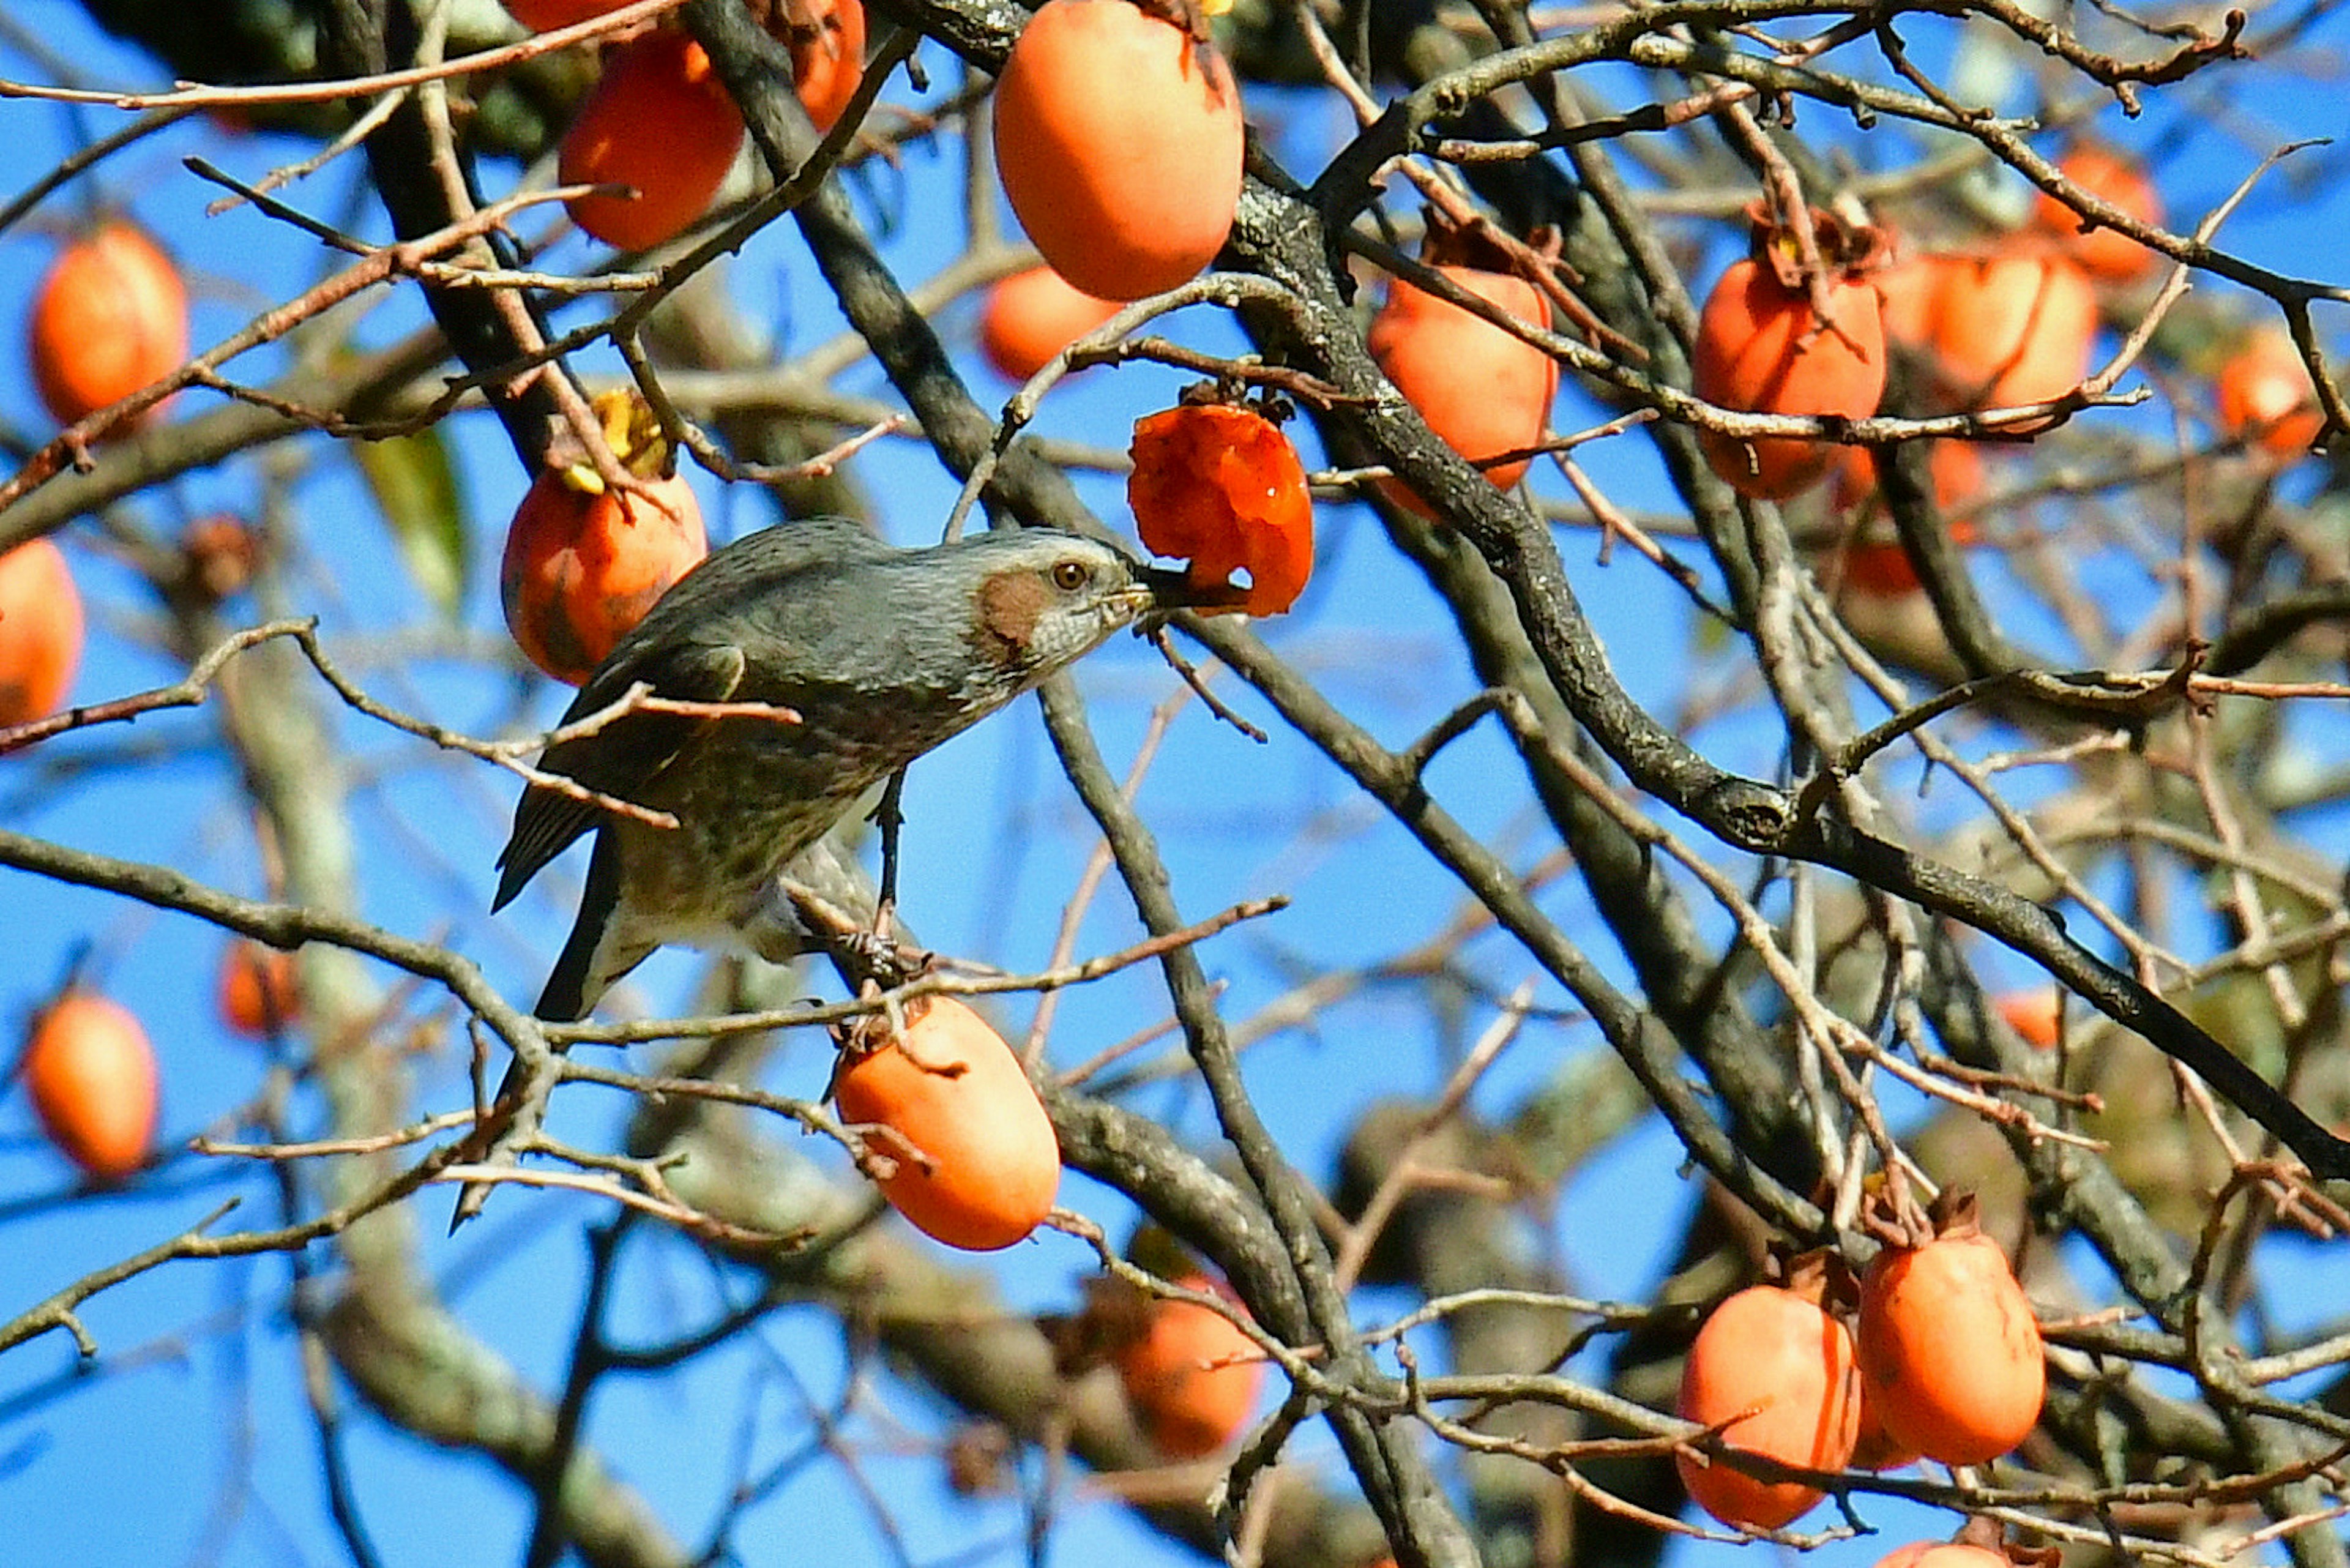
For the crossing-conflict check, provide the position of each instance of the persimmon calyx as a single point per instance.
(630, 428)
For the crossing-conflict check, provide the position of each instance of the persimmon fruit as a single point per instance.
(2014, 326)
(1762, 347)
(584, 562)
(1481, 389)
(977, 1165)
(91, 1075)
(1119, 141)
(108, 318)
(2266, 397)
(659, 121)
(1879, 566)
(1775, 1372)
(2122, 184)
(1943, 1554)
(1191, 1375)
(1905, 295)
(1032, 314)
(827, 48)
(254, 991)
(1219, 485)
(2036, 1015)
(1948, 1349)
(41, 631)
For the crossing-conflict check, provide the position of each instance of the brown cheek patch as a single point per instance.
(1010, 606)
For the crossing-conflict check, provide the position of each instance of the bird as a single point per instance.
(882, 653)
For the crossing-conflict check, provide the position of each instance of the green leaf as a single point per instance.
(415, 487)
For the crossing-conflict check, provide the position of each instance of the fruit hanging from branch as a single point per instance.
(584, 561)
(41, 631)
(1773, 1369)
(660, 122)
(90, 1073)
(972, 1158)
(1118, 138)
(1482, 390)
(1780, 335)
(1217, 483)
(108, 317)
(1949, 1352)
(1032, 314)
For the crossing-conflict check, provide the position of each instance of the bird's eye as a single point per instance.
(1070, 576)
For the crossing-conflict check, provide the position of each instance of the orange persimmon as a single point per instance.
(1118, 139)
(91, 1075)
(2266, 396)
(977, 1164)
(1880, 566)
(108, 317)
(254, 991)
(2122, 184)
(2014, 326)
(1950, 1351)
(2036, 1015)
(584, 563)
(827, 56)
(1763, 348)
(1221, 486)
(41, 631)
(1191, 1375)
(1775, 1372)
(1032, 316)
(660, 122)
(1481, 389)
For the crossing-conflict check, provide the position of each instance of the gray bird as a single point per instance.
(884, 653)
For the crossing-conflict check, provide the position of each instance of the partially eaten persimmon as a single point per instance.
(1219, 485)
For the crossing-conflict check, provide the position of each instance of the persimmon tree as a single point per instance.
(1734, 876)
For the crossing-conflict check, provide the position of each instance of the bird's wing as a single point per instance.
(621, 759)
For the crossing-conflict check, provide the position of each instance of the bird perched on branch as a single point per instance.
(878, 653)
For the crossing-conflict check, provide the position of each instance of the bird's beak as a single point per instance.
(1173, 590)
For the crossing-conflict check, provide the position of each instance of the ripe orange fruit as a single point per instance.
(2265, 396)
(1906, 294)
(91, 1075)
(1119, 144)
(829, 58)
(1191, 1377)
(1773, 1353)
(2122, 183)
(2015, 327)
(1875, 1447)
(1480, 389)
(1943, 1554)
(1222, 486)
(1949, 1349)
(109, 316)
(661, 121)
(583, 564)
(952, 1089)
(1761, 349)
(1880, 566)
(2033, 1015)
(255, 992)
(1032, 316)
(41, 631)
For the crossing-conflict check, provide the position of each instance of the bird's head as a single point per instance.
(1045, 598)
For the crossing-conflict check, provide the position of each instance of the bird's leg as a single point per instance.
(889, 819)
(863, 953)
